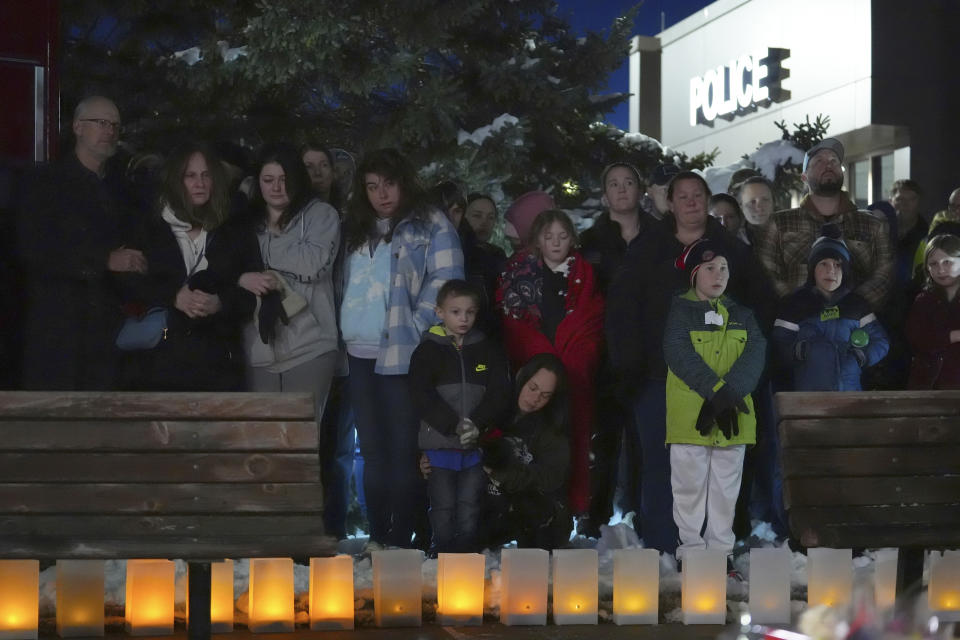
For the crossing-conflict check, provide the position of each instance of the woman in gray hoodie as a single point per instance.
(292, 342)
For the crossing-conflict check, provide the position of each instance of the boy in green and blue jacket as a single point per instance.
(714, 351)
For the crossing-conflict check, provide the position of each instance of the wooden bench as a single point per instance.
(873, 469)
(196, 476)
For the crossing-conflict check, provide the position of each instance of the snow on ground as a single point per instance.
(618, 535)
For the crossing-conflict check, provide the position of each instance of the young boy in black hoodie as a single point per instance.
(459, 380)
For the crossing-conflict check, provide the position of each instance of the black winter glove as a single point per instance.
(729, 423)
(859, 354)
(271, 310)
(726, 398)
(705, 419)
(497, 453)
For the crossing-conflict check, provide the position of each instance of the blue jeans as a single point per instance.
(338, 442)
(455, 508)
(387, 430)
(768, 484)
(655, 492)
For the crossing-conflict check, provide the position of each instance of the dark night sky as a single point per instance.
(596, 15)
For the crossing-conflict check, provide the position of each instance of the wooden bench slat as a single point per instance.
(161, 468)
(881, 461)
(874, 536)
(919, 515)
(84, 405)
(160, 475)
(820, 404)
(211, 527)
(836, 492)
(860, 432)
(160, 498)
(65, 548)
(158, 436)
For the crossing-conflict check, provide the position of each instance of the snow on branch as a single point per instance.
(193, 55)
(479, 135)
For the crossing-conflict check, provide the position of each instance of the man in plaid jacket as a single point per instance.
(784, 243)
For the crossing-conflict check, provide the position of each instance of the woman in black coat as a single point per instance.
(195, 257)
(528, 462)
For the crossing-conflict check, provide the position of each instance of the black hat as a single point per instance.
(663, 174)
(830, 244)
(701, 251)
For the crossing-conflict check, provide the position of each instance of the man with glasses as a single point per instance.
(72, 246)
(783, 245)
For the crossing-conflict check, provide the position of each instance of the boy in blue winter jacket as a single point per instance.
(460, 384)
(825, 333)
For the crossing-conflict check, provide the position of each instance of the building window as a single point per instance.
(886, 176)
(860, 183)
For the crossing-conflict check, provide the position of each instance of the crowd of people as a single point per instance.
(494, 397)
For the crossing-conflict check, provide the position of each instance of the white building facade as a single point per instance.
(734, 68)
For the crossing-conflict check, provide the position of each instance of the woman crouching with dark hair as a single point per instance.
(528, 462)
(194, 258)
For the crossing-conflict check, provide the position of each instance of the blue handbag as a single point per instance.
(143, 332)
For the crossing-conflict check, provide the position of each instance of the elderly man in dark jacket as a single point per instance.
(71, 245)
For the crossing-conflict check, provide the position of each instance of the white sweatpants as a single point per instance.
(706, 482)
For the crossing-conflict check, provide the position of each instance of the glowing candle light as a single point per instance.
(704, 586)
(575, 598)
(221, 596)
(331, 593)
(829, 577)
(943, 591)
(770, 586)
(523, 590)
(460, 588)
(885, 578)
(397, 587)
(148, 609)
(636, 586)
(79, 598)
(271, 595)
(19, 599)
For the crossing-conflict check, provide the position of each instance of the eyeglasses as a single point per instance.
(105, 124)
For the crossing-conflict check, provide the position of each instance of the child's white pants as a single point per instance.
(706, 482)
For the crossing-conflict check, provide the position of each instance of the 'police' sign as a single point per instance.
(739, 87)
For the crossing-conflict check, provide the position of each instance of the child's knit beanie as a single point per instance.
(697, 253)
(830, 244)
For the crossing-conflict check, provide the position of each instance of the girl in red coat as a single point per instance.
(933, 326)
(550, 305)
